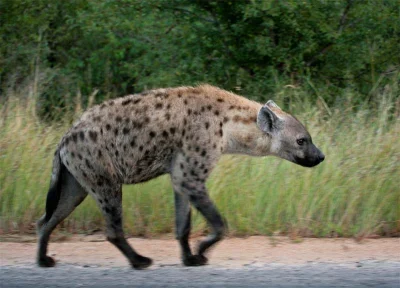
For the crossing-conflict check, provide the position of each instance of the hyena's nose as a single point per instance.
(321, 157)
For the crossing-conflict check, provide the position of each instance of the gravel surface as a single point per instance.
(366, 274)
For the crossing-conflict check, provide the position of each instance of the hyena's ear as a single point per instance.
(267, 120)
(272, 104)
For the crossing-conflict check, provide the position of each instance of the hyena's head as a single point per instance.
(289, 138)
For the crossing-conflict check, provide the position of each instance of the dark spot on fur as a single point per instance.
(99, 154)
(146, 120)
(231, 107)
(183, 132)
(181, 165)
(74, 137)
(80, 156)
(205, 171)
(209, 107)
(172, 130)
(132, 143)
(152, 134)
(108, 127)
(159, 106)
(165, 134)
(207, 124)
(167, 116)
(93, 135)
(220, 100)
(184, 122)
(116, 131)
(118, 119)
(84, 174)
(97, 119)
(203, 108)
(216, 112)
(88, 164)
(125, 130)
(141, 148)
(203, 153)
(226, 119)
(72, 154)
(185, 102)
(189, 111)
(116, 153)
(111, 102)
(136, 101)
(184, 174)
(221, 133)
(102, 106)
(126, 102)
(197, 148)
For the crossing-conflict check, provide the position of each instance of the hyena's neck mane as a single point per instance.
(239, 116)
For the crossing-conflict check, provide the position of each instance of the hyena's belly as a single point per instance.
(152, 163)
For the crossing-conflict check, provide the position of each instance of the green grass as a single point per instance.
(354, 193)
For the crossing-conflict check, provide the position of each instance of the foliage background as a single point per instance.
(120, 47)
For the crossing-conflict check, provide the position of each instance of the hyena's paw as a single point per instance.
(46, 261)
(141, 262)
(195, 260)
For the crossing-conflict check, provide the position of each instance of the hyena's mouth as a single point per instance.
(306, 162)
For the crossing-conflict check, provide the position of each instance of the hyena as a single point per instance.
(180, 131)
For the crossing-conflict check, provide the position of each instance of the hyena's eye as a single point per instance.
(301, 141)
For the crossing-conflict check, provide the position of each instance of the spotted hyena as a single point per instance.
(180, 131)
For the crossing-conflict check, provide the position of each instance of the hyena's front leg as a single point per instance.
(200, 199)
(110, 201)
(183, 227)
(195, 193)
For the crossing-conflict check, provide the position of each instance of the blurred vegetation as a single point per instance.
(127, 46)
(335, 64)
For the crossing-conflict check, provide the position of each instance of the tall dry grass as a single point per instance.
(355, 192)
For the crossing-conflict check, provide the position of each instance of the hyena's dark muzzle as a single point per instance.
(313, 156)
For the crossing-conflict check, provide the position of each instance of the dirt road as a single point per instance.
(238, 262)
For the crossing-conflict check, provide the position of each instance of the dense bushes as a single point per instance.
(119, 47)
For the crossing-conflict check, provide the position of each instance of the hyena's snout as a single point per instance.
(312, 158)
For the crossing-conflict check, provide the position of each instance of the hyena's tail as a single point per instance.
(53, 196)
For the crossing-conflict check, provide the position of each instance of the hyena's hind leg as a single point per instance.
(109, 199)
(71, 195)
